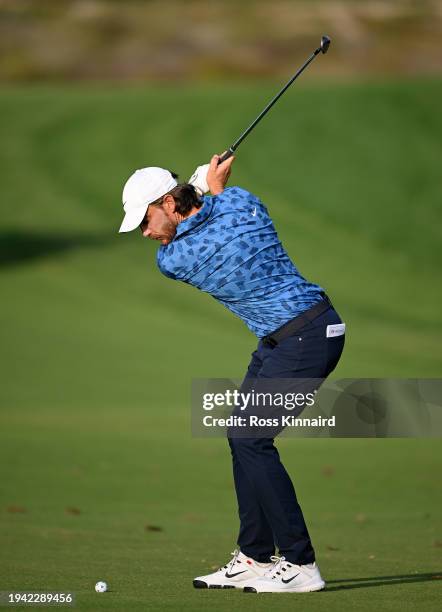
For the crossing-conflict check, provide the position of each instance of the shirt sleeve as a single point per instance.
(234, 198)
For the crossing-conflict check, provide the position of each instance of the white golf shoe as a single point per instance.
(285, 577)
(238, 573)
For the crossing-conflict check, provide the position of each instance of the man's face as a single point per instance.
(158, 225)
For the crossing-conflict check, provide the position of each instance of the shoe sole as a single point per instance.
(200, 584)
(307, 589)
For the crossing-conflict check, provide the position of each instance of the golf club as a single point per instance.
(323, 48)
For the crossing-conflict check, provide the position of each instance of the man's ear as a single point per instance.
(169, 203)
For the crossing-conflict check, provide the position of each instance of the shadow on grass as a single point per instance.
(22, 246)
(375, 581)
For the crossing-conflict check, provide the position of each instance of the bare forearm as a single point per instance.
(218, 175)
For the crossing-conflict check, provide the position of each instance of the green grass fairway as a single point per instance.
(100, 478)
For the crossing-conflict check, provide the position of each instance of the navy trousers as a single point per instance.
(269, 512)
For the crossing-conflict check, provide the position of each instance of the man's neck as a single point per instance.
(193, 211)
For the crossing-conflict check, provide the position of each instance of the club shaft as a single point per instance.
(237, 142)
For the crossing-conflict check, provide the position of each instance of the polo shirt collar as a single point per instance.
(197, 219)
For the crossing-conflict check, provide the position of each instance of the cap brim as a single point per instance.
(132, 219)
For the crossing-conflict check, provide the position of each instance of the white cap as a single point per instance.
(142, 188)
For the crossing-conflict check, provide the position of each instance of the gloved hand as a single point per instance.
(199, 179)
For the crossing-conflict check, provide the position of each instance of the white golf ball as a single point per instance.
(101, 587)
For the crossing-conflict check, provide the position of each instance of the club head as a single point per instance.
(325, 43)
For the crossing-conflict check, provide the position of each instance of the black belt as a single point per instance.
(298, 322)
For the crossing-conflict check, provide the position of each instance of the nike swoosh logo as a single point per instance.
(232, 575)
(290, 579)
(254, 212)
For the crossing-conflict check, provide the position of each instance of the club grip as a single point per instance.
(226, 155)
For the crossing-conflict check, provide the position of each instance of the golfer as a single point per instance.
(225, 244)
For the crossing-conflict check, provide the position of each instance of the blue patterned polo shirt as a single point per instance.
(231, 250)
